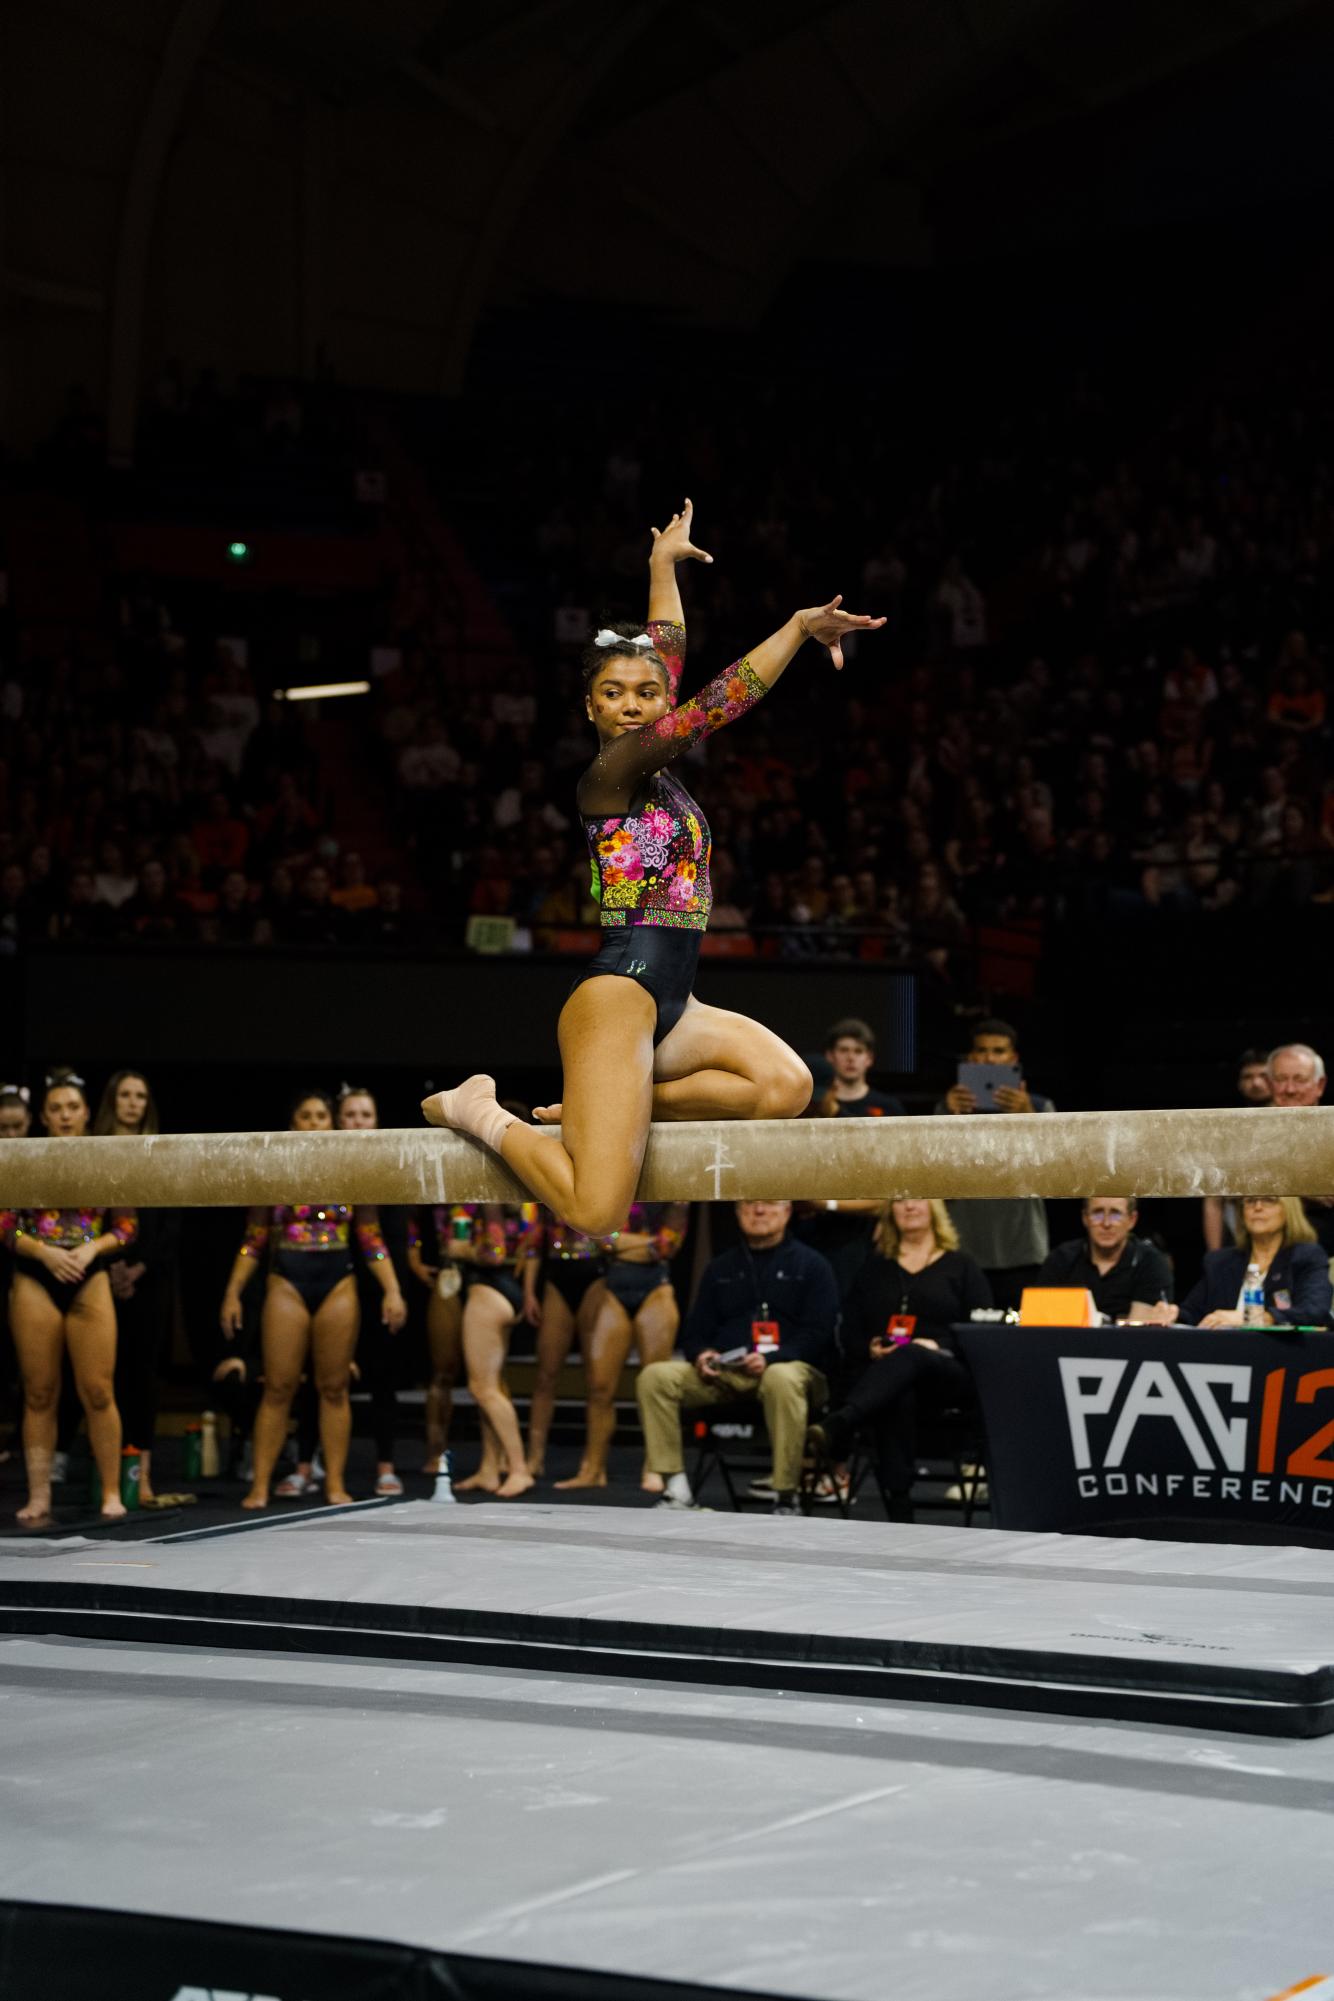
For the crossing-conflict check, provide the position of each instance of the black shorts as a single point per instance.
(632, 1284)
(572, 1278)
(662, 959)
(500, 1281)
(313, 1273)
(56, 1288)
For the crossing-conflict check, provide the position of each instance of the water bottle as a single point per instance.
(131, 1467)
(194, 1451)
(444, 1480)
(210, 1464)
(1253, 1298)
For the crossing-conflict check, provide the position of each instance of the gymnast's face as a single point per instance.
(356, 1113)
(312, 1115)
(624, 695)
(65, 1112)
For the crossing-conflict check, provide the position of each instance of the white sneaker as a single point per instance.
(59, 1468)
(762, 1490)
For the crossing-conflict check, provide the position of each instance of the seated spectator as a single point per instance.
(850, 1050)
(155, 911)
(389, 926)
(234, 919)
(221, 838)
(775, 1299)
(19, 919)
(112, 883)
(316, 919)
(898, 1342)
(1110, 1261)
(1296, 1074)
(277, 909)
(285, 830)
(81, 919)
(430, 761)
(1006, 1234)
(1276, 1236)
(354, 892)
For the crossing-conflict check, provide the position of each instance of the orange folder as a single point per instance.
(1056, 1306)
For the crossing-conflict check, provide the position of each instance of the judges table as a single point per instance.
(1139, 1428)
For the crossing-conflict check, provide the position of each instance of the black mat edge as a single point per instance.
(695, 1643)
(899, 1672)
(67, 1952)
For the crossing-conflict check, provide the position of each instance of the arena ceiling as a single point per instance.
(277, 185)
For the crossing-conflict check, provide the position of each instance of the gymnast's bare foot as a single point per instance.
(652, 1483)
(515, 1484)
(587, 1476)
(113, 1510)
(478, 1483)
(337, 1497)
(258, 1497)
(37, 1513)
(546, 1115)
(459, 1107)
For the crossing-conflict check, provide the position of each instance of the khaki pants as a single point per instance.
(786, 1391)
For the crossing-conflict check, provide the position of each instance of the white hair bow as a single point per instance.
(609, 638)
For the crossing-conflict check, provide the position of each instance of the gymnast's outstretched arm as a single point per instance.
(622, 765)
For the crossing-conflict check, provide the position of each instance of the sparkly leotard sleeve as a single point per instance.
(648, 840)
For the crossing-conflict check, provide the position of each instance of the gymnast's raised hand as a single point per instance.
(830, 626)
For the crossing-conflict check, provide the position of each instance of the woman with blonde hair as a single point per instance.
(1276, 1236)
(898, 1341)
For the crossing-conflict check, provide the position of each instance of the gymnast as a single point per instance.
(310, 1312)
(60, 1300)
(635, 1044)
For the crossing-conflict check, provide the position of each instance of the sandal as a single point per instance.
(293, 1487)
(388, 1486)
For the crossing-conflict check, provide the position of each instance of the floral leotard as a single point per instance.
(67, 1228)
(312, 1226)
(648, 840)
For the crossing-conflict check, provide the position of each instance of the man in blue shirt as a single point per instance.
(774, 1299)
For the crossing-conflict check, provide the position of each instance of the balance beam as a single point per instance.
(1269, 1151)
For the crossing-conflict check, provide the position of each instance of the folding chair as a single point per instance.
(716, 1429)
(959, 1431)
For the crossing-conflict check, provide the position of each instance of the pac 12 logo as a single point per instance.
(1135, 1427)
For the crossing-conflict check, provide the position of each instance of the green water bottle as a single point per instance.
(194, 1451)
(131, 1467)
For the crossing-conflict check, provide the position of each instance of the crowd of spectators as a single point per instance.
(1102, 689)
(151, 794)
(1103, 686)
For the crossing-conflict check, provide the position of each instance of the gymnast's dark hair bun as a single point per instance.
(604, 646)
